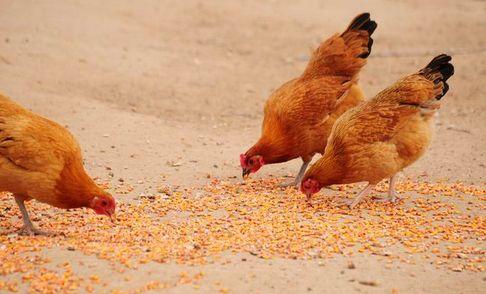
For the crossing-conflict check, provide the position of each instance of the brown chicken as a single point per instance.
(380, 137)
(41, 160)
(298, 116)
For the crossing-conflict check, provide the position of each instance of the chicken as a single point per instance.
(382, 136)
(298, 116)
(41, 160)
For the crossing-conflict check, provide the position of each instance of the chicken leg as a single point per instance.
(28, 229)
(392, 193)
(299, 176)
(352, 204)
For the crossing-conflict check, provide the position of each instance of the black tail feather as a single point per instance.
(444, 90)
(359, 21)
(441, 64)
(364, 23)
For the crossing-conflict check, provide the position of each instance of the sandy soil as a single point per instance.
(168, 92)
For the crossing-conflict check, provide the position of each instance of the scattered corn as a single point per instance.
(198, 224)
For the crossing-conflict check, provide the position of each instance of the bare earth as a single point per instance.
(169, 93)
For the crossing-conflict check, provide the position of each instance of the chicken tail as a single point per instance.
(344, 54)
(439, 70)
(362, 22)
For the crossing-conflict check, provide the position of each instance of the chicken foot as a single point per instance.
(299, 176)
(28, 229)
(392, 193)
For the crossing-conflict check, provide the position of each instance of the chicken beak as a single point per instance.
(112, 218)
(245, 173)
(308, 197)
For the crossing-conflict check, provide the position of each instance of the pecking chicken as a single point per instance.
(298, 116)
(41, 160)
(380, 137)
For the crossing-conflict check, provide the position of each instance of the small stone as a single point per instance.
(368, 283)
(173, 163)
(461, 255)
(458, 268)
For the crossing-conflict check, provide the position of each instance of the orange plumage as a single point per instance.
(380, 137)
(39, 159)
(298, 116)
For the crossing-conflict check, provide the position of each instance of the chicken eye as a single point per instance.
(104, 203)
(250, 161)
(307, 185)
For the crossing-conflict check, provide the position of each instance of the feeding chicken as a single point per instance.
(380, 137)
(41, 160)
(298, 116)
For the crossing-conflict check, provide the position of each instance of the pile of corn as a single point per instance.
(441, 222)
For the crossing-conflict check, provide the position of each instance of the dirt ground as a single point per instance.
(171, 92)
